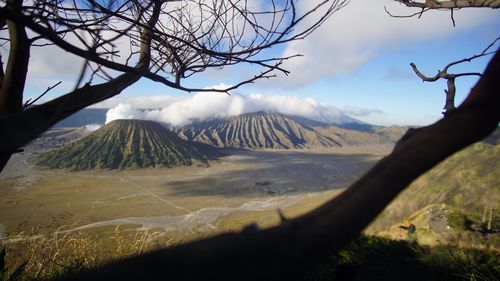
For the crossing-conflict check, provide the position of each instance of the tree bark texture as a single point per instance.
(450, 96)
(24, 126)
(14, 78)
(452, 4)
(286, 251)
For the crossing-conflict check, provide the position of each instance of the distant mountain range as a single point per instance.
(138, 144)
(127, 144)
(98, 116)
(255, 130)
(277, 131)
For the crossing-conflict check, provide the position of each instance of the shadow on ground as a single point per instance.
(277, 173)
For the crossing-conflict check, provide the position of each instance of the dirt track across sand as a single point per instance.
(177, 197)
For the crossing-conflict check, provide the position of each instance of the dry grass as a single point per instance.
(50, 255)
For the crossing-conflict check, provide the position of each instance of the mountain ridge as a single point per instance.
(268, 130)
(127, 144)
(259, 130)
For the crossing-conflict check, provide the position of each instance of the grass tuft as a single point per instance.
(37, 256)
(377, 258)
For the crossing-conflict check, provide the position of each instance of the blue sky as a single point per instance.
(358, 63)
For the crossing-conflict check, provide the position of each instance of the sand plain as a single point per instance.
(200, 196)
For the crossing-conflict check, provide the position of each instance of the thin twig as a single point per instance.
(29, 102)
(419, 14)
(452, 17)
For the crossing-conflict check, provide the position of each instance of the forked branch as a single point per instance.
(450, 77)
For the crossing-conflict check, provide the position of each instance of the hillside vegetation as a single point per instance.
(126, 144)
(467, 181)
(376, 258)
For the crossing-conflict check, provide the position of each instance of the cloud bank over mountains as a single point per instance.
(203, 106)
(350, 38)
(361, 31)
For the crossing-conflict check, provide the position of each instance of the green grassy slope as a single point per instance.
(468, 180)
(436, 226)
(376, 258)
(125, 144)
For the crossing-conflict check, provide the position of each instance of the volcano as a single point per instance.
(124, 144)
(256, 131)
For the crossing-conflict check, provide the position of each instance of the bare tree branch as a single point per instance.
(419, 14)
(286, 251)
(200, 53)
(450, 78)
(30, 102)
(451, 4)
(448, 5)
(423, 77)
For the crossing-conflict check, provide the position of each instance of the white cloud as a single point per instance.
(124, 111)
(401, 118)
(204, 106)
(92, 127)
(360, 112)
(51, 61)
(360, 31)
(146, 102)
(199, 107)
(292, 105)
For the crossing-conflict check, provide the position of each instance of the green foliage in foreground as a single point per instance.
(376, 258)
(460, 221)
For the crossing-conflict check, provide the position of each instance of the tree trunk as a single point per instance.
(11, 92)
(450, 96)
(22, 127)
